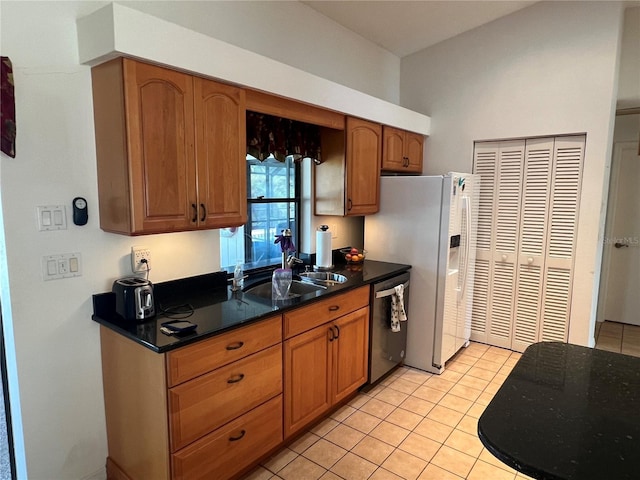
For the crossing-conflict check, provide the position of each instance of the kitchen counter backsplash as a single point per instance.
(208, 301)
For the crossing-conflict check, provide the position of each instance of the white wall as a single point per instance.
(292, 33)
(57, 352)
(548, 69)
(629, 81)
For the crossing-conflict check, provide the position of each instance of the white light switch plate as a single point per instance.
(64, 265)
(52, 217)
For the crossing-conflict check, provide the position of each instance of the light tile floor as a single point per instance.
(618, 337)
(413, 425)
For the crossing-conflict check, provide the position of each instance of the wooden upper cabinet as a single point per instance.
(220, 121)
(169, 150)
(159, 113)
(363, 156)
(348, 180)
(402, 151)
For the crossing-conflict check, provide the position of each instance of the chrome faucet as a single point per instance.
(287, 246)
(290, 261)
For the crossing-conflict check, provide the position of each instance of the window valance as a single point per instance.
(282, 137)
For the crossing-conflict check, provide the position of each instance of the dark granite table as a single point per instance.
(567, 412)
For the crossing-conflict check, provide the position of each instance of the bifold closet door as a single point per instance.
(551, 190)
(528, 214)
(536, 185)
(499, 165)
(566, 180)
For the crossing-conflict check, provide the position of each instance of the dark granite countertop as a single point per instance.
(567, 412)
(217, 309)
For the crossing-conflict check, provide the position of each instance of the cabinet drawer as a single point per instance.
(207, 402)
(233, 447)
(189, 362)
(305, 318)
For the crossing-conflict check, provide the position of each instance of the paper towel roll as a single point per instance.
(323, 249)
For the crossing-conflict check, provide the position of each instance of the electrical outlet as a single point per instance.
(138, 254)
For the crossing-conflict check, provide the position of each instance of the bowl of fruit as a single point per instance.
(354, 255)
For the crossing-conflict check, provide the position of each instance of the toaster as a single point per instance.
(134, 298)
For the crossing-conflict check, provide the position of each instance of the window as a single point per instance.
(273, 203)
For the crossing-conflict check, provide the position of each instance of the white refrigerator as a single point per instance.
(430, 222)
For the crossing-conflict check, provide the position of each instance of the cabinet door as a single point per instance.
(414, 151)
(220, 153)
(364, 153)
(307, 373)
(159, 105)
(393, 150)
(401, 150)
(350, 353)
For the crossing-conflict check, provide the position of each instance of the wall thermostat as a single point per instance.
(80, 213)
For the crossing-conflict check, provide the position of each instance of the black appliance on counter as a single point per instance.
(134, 298)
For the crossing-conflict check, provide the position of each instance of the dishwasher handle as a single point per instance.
(390, 291)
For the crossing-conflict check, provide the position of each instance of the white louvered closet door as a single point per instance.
(562, 229)
(498, 223)
(536, 185)
(485, 165)
(528, 214)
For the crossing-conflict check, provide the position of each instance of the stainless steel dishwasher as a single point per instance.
(386, 348)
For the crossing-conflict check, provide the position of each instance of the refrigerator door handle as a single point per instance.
(467, 245)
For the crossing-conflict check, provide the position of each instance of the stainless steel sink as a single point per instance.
(326, 278)
(298, 288)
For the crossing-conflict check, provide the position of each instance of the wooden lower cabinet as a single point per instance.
(350, 354)
(307, 363)
(323, 366)
(213, 409)
(224, 453)
(203, 404)
(207, 410)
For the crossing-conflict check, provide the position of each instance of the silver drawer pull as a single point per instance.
(236, 378)
(238, 437)
(235, 346)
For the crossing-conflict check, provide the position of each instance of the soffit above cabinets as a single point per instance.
(115, 31)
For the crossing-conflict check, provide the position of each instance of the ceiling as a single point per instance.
(404, 27)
